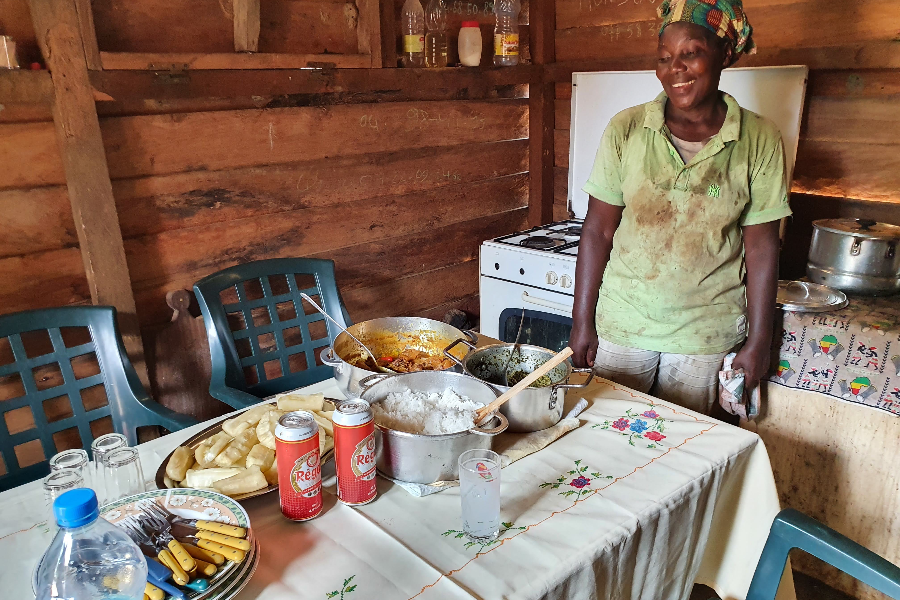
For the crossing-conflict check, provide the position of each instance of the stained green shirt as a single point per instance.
(675, 277)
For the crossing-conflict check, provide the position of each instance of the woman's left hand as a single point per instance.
(755, 360)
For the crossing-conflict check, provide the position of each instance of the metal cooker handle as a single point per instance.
(328, 357)
(481, 430)
(573, 386)
(366, 382)
(454, 344)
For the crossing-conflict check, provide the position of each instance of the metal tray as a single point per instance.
(803, 296)
(197, 439)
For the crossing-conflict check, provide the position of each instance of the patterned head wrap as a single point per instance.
(725, 18)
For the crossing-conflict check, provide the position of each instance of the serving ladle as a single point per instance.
(370, 359)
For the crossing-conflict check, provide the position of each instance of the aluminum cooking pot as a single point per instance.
(534, 408)
(387, 336)
(420, 458)
(855, 255)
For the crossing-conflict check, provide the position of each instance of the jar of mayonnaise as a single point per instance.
(470, 44)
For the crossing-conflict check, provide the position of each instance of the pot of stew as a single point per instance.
(401, 344)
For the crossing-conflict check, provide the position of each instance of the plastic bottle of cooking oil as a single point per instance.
(413, 34)
(436, 34)
(506, 32)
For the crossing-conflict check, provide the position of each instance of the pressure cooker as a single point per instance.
(855, 255)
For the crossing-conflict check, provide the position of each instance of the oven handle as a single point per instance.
(526, 297)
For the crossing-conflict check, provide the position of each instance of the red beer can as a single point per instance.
(354, 451)
(299, 470)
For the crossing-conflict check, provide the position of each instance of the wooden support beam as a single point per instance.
(246, 25)
(541, 113)
(88, 34)
(157, 61)
(57, 26)
(388, 36)
(368, 30)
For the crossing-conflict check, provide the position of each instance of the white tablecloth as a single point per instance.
(638, 503)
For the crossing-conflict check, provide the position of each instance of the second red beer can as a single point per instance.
(299, 468)
(354, 451)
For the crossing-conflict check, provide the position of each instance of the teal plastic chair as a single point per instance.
(62, 369)
(262, 341)
(792, 529)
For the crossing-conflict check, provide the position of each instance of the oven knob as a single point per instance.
(552, 278)
(565, 281)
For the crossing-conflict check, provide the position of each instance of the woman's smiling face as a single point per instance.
(690, 60)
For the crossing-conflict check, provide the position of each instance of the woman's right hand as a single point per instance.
(583, 343)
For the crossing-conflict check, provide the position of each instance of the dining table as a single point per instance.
(640, 501)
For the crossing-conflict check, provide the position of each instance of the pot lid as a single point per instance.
(864, 228)
(803, 296)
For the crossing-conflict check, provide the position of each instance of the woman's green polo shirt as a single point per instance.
(675, 277)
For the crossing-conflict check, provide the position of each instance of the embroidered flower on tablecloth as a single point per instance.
(634, 427)
(639, 426)
(580, 482)
(621, 424)
(483, 544)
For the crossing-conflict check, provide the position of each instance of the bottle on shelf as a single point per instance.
(469, 44)
(435, 34)
(89, 558)
(506, 32)
(413, 24)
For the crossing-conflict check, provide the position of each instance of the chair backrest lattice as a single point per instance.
(64, 381)
(60, 402)
(264, 338)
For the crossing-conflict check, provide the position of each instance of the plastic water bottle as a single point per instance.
(89, 559)
(413, 23)
(436, 34)
(506, 32)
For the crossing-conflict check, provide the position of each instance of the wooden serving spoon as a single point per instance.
(526, 381)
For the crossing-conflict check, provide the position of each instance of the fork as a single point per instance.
(161, 512)
(160, 529)
(136, 532)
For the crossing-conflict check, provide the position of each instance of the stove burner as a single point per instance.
(573, 230)
(540, 242)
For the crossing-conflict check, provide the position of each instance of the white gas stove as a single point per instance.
(532, 273)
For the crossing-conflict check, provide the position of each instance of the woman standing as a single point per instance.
(678, 259)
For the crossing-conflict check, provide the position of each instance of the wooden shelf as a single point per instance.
(140, 61)
(232, 83)
(17, 85)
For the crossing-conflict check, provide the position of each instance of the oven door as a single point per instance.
(548, 315)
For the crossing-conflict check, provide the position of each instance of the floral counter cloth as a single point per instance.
(852, 354)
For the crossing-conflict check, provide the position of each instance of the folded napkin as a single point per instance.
(510, 446)
(733, 397)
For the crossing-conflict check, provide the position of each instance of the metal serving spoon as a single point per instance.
(371, 361)
(513, 350)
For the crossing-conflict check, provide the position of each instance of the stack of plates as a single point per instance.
(189, 503)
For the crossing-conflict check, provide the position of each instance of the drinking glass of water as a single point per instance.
(479, 490)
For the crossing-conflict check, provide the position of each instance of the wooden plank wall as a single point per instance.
(398, 183)
(848, 165)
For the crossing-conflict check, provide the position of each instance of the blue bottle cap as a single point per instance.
(76, 508)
